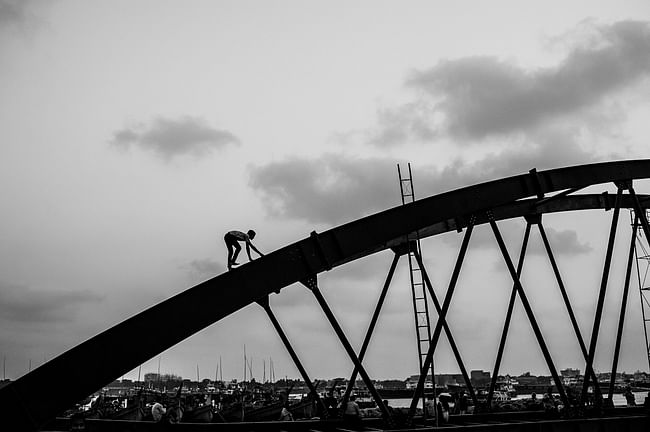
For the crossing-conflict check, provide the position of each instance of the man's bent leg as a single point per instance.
(229, 246)
(237, 250)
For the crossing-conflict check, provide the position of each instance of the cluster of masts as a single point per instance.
(248, 367)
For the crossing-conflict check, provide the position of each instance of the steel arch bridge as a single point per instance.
(527, 195)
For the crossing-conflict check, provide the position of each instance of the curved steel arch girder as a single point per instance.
(99, 360)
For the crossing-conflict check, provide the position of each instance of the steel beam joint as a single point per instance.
(405, 247)
(319, 250)
(533, 218)
(537, 184)
(624, 184)
(311, 282)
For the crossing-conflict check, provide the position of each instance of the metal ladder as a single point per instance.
(418, 288)
(642, 255)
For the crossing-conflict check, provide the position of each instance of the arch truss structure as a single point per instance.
(112, 353)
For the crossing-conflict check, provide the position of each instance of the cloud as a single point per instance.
(472, 98)
(564, 242)
(204, 268)
(21, 16)
(19, 303)
(169, 138)
(543, 118)
(329, 189)
(334, 188)
(415, 119)
(12, 11)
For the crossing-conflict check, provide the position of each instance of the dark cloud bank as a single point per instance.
(169, 138)
(14, 12)
(475, 97)
(334, 189)
(22, 17)
(22, 304)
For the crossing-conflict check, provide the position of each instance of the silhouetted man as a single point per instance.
(232, 239)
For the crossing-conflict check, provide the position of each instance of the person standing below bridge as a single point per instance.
(352, 414)
(157, 410)
(232, 239)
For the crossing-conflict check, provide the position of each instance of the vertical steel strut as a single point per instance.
(264, 302)
(529, 311)
(506, 324)
(442, 312)
(371, 327)
(601, 296)
(312, 284)
(567, 303)
(621, 317)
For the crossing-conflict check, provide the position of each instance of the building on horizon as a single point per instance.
(570, 373)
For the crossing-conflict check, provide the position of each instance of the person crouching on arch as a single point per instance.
(232, 239)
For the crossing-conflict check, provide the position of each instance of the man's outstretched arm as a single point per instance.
(250, 245)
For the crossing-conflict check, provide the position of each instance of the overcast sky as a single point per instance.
(134, 134)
